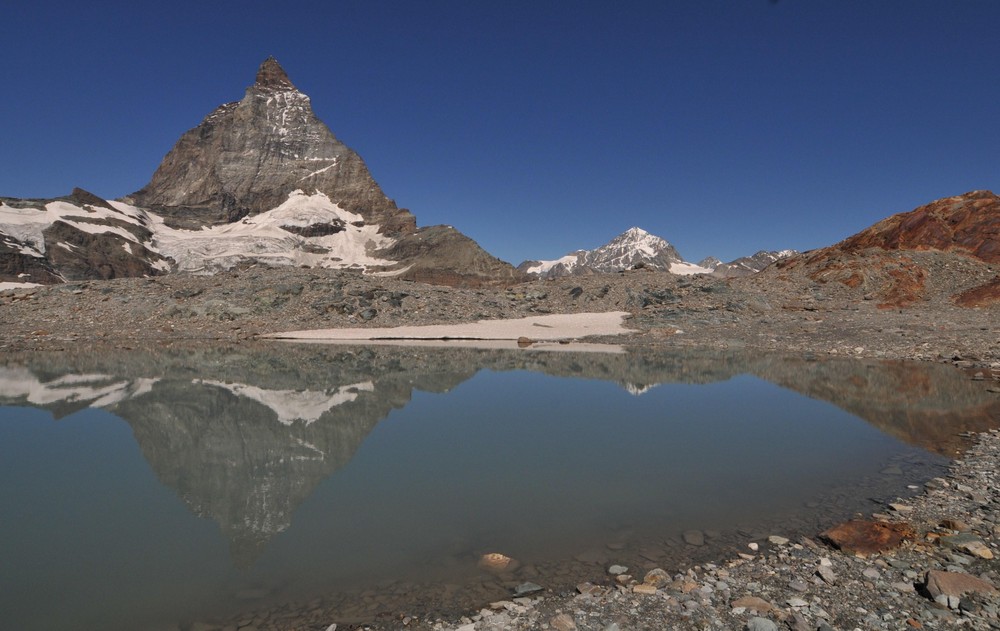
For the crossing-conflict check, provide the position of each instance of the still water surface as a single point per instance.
(143, 490)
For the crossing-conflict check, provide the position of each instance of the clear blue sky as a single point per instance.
(543, 126)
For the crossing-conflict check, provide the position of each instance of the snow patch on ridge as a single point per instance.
(686, 269)
(262, 238)
(27, 225)
(569, 262)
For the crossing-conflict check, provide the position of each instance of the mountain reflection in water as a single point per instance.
(245, 434)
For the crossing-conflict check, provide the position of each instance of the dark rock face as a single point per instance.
(441, 255)
(97, 256)
(16, 266)
(247, 156)
(90, 239)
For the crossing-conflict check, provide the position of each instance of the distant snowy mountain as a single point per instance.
(633, 248)
(748, 265)
(709, 262)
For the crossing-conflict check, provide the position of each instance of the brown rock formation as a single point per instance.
(875, 260)
(968, 224)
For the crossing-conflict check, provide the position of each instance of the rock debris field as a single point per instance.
(774, 314)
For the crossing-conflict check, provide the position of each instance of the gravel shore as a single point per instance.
(943, 574)
(799, 583)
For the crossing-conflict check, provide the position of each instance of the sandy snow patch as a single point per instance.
(564, 326)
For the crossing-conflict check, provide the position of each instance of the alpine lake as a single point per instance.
(151, 488)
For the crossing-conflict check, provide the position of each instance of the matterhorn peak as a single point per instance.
(271, 76)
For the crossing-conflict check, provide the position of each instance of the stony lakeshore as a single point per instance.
(781, 580)
(941, 572)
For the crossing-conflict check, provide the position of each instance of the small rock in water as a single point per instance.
(497, 562)
(694, 537)
(778, 541)
(527, 588)
(615, 570)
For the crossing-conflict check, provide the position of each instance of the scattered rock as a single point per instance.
(761, 624)
(753, 603)
(867, 537)
(657, 578)
(939, 583)
(563, 622)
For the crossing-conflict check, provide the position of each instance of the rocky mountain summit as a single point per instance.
(260, 180)
(748, 265)
(894, 262)
(636, 248)
(633, 248)
(246, 157)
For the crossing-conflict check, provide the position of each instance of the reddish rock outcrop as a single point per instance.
(867, 537)
(875, 260)
(967, 224)
(981, 296)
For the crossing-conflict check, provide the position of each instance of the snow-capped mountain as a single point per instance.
(748, 265)
(258, 180)
(633, 248)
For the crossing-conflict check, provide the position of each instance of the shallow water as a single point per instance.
(145, 489)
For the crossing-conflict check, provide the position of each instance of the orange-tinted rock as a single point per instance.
(867, 537)
(874, 261)
(981, 296)
(968, 224)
